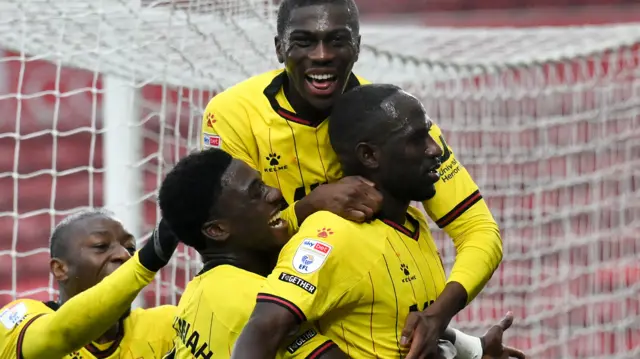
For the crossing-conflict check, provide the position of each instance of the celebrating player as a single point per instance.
(363, 282)
(90, 254)
(276, 123)
(223, 209)
(220, 207)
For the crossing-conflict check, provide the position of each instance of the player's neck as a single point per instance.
(301, 107)
(392, 208)
(251, 261)
(110, 335)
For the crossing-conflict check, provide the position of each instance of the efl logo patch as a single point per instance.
(311, 255)
(12, 316)
(301, 340)
(290, 278)
(210, 140)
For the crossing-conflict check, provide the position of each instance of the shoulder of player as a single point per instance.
(243, 93)
(418, 215)
(230, 295)
(14, 313)
(31, 306)
(362, 80)
(329, 227)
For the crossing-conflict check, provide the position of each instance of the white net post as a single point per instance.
(122, 149)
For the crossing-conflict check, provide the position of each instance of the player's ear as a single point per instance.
(367, 155)
(59, 269)
(279, 50)
(357, 48)
(217, 230)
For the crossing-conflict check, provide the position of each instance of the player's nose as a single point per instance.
(433, 149)
(321, 53)
(274, 196)
(121, 255)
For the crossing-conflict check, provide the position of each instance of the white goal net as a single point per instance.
(99, 98)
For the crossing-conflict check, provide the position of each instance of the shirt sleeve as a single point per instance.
(459, 209)
(306, 343)
(226, 125)
(84, 317)
(314, 269)
(15, 318)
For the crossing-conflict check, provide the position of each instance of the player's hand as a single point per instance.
(421, 332)
(353, 198)
(158, 250)
(492, 346)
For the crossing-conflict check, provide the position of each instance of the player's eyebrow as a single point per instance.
(303, 32)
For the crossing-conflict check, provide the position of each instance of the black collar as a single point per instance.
(276, 84)
(415, 234)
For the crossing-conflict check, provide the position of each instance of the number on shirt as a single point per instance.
(414, 307)
(301, 192)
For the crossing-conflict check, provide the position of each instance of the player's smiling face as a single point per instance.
(319, 48)
(409, 159)
(249, 211)
(98, 248)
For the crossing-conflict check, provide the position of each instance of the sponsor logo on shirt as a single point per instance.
(310, 255)
(211, 119)
(297, 281)
(12, 316)
(324, 232)
(273, 163)
(210, 140)
(301, 340)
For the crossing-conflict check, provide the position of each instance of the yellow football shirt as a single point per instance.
(254, 122)
(358, 282)
(215, 307)
(134, 341)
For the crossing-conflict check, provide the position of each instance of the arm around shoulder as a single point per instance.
(458, 208)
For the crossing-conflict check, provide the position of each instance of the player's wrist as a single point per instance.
(157, 252)
(467, 346)
(305, 207)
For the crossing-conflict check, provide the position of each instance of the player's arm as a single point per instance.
(305, 285)
(459, 209)
(89, 314)
(309, 343)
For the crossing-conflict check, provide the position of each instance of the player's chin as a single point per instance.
(426, 191)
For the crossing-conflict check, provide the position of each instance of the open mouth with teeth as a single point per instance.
(275, 221)
(321, 84)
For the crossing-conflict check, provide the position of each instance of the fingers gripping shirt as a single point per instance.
(216, 306)
(358, 282)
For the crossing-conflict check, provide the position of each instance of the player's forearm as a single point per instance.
(452, 299)
(87, 315)
(479, 253)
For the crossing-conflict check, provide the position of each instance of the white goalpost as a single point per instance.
(98, 99)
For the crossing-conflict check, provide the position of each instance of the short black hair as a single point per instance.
(356, 117)
(58, 243)
(287, 6)
(190, 191)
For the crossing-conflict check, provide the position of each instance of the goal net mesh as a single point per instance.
(547, 120)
